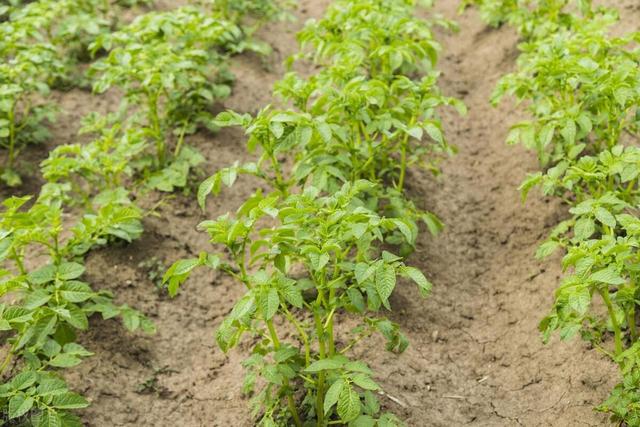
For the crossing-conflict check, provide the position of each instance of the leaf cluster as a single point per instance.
(41, 43)
(581, 86)
(311, 249)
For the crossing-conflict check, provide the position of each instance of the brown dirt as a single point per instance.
(475, 357)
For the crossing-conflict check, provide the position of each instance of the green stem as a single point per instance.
(6, 362)
(156, 129)
(321, 376)
(290, 402)
(280, 183)
(614, 321)
(403, 163)
(18, 260)
(631, 319)
(303, 335)
(12, 136)
(403, 156)
(180, 140)
(329, 325)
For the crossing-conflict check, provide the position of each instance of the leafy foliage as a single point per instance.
(581, 85)
(27, 68)
(310, 250)
(46, 297)
(40, 45)
(319, 256)
(51, 303)
(172, 66)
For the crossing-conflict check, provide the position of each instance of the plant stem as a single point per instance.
(403, 163)
(12, 135)
(631, 320)
(280, 184)
(303, 335)
(614, 322)
(323, 355)
(5, 363)
(290, 402)
(180, 141)
(403, 157)
(156, 129)
(329, 328)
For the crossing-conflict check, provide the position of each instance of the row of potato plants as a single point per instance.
(43, 42)
(41, 45)
(581, 85)
(87, 200)
(318, 244)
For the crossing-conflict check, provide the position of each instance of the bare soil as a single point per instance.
(476, 356)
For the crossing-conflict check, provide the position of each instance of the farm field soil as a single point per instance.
(475, 356)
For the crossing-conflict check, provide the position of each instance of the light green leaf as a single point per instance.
(348, 404)
(269, 303)
(385, 281)
(20, 405)
(608, 276)
(332, 395)
(419, 278)
(70, 270)
(605, 217)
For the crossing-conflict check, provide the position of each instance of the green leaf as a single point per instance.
(607, 275)
(348, 404)
(293, 295)
(70, 270)
(44, 275)
(415, 132)
(51, 386)
(64, 360)
(434, 132)
(547, 248)
(385, 282)
(584, 228)
(332, 395)
(605, 217)
(49, 418)
(69, 401)
(269, 303)
(75, 291)
(363, 272)
(365, 382)
(580, 299)
(325, 365)
(363, 421)
(24, 380)
(206, 187)
(20, 405)
(417, 276)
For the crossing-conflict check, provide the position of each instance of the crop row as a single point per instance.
(170, 67)
(317, 245)
(581, 86)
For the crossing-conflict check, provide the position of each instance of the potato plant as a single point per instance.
(47, 303)
(361, 116)
(258, 11)
(27, 69)
(581, 85)
(41, 43)
(319, 257)
(105, 164)
(171, 66)
(533, 18)
(51, 303)
(311, 249)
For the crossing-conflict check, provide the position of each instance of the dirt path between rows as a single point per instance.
(475, 357)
